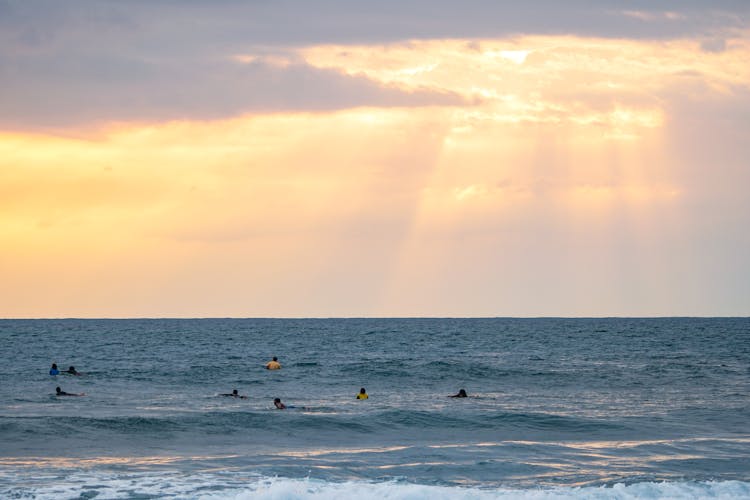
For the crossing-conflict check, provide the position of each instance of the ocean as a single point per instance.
(556, 408)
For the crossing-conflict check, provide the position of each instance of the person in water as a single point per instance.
(273, 364)
(72, 371)
(278, 404)
(461, 394)
(362, 394)
(60, 392)
(234, 394)
(54, 370)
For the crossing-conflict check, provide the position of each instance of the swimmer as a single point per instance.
(362, 394)
(273, 364)
(72, 371)
(281, 406)
(461, 394)
(234, 394)
(54, 371)
(60, 392)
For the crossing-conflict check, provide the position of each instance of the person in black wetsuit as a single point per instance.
(72, 371)
(234, 394)
(60, 392)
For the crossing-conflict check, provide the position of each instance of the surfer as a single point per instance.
(54, 371)
(281, 406)
(362, 394)
(72, 371)
(60, 392)
(234, 394)
(273, 364)
(461, 394)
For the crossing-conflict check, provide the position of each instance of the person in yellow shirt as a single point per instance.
(273, 364)
(362, 394)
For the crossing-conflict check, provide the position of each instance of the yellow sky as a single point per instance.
(558, 150)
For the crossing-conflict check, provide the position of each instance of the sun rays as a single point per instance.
(550, 143)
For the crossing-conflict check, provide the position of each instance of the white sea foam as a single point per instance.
(299, 489)
(213, 487)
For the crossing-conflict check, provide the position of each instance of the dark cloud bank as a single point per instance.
(68, 62)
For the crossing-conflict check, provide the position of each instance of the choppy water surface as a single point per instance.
(595, 408)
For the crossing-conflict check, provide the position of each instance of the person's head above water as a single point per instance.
(234, 392)
(462, 393)
(278, 404)
(362, 391)
(54, 366)
(275, 358)
(60, 392)
(72, 369)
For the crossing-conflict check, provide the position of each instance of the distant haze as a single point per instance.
(339, 158)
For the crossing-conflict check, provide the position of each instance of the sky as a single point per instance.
(343, 158)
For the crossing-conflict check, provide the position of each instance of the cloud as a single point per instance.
(82, 60)
(714, 45)
(207, 25)
(50, 93)
(653, 16)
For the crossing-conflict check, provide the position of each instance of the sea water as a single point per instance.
(557, 408)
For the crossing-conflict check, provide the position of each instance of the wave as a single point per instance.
(227, 486)
(301, 419)
(535, 371)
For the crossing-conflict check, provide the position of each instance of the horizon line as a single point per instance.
(160, 318)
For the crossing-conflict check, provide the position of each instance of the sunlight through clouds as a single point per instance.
(559, 153)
